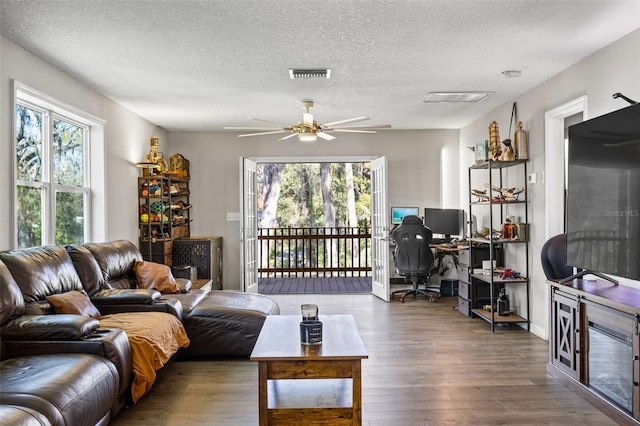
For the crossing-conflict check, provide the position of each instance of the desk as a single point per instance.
(448, 248)
(300, 384)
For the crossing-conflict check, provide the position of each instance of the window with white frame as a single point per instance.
(53, 188)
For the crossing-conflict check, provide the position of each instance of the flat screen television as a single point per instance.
(603, 195)
(446, 222)
(398, 213)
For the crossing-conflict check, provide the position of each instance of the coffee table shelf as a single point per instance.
(300, 384)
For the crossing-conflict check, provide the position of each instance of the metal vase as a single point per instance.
(520, 141)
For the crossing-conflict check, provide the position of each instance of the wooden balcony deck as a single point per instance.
(317, 285)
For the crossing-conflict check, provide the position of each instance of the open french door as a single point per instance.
(379, 229)
(248, 226)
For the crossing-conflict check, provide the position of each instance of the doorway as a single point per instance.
(314, 233)
(555, 162)
(283, 256)
(557, 121)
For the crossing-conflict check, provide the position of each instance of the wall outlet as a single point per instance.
(233, 217)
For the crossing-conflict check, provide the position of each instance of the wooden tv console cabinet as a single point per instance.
(585, 311)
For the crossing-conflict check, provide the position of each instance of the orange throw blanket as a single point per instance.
(154, 338)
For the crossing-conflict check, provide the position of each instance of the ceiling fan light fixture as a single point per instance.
(295, 73)
(307, 136)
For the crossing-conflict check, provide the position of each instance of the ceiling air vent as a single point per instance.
(309, 73)
(439, 97)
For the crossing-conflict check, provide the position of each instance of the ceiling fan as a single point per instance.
(308, 130)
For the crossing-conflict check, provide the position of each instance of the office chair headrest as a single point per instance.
(411, 220)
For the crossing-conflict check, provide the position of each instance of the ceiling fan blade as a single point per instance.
(287, 137)
(251, 128)
(261, 133)
(307, 119)
(325, 136)
(352, 131)
(267, 121)
(350, 120)
(371, 126)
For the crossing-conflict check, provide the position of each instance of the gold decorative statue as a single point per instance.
(155, 157)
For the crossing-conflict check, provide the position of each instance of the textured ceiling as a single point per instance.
(201, 65)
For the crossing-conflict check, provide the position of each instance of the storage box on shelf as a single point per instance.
(163, 215)
(470, 295)
(498, 274)
(449, 287)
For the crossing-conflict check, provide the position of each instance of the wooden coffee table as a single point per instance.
(332, 387)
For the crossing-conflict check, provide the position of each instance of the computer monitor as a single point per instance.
(446, 222)
(398, 213)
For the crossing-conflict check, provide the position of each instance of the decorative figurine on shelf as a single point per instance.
(507, 194)
(482, 195)
(504, 194)
(178, 166)
(508, 154)
(153, 160)
(494, 142)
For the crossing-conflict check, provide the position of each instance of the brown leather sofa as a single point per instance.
(218, 323)
(57, 369)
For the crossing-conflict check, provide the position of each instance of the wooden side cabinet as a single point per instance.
(594, 344)
(565, 342)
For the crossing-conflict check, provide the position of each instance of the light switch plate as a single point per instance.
(233, 217)
(532, 178)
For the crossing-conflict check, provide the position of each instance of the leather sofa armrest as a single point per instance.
(112, 344)
(163, 304)
(132, 296)
(48, 327)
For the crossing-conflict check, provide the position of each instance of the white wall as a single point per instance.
(616, 68)
(413, 157)
(127, 139)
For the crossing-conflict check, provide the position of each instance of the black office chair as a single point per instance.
(413, 257)
(554, 258)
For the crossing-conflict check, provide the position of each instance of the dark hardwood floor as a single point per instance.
(428, 365)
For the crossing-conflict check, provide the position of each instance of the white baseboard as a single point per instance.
(539, 331)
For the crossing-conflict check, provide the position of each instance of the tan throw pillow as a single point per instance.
(155, 275)
(73, 302)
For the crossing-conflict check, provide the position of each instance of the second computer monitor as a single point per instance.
(398, 213)
(446, 222)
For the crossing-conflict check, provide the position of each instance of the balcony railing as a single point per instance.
(314, 252)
